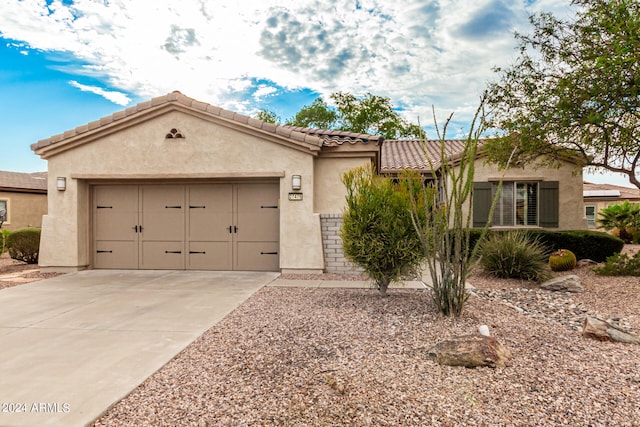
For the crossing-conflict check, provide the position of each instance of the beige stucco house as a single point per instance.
(174, 183)
(600, 196)
(23, 199)
(531, 197)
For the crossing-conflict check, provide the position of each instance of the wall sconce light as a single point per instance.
(296, 182)
(61, 183)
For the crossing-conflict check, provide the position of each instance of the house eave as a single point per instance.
(119, 121)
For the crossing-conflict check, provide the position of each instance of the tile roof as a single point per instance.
(338, 137)
(29, 182)
(610, 191)
(402, 154)
(177, 98)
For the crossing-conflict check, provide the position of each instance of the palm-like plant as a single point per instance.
(624, 217)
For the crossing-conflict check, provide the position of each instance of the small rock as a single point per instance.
(585, 263)
(484, 331)
(570, 283)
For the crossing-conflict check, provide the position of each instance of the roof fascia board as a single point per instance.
(175, 176)
(22, 190)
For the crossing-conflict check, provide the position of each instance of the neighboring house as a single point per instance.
(600, 196)
(531, 198)
(23, 199)
(174, 183)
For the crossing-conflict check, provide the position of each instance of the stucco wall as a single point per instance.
(329, 189)
(143, 152)
(569, 176)
(24, 209)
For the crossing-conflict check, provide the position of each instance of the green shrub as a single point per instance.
(514, 255)
(4, 236)
(585, 244)
(24, 245)
(562, 260)
(620, 265)
(377, 229)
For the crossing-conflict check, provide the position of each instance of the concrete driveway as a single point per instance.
(73, 345)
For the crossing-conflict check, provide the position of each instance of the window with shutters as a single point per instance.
(519, 204)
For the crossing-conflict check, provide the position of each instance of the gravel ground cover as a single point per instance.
(345, 357)
(348, 357)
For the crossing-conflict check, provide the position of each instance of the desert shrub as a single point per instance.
(24, 245)
(562, 260)
(514, 255)
(585, 244)
(620, 265)
(377, 229)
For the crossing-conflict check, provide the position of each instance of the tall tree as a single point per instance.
(317, 115)
(374, 115)
(371, 114)
(573, 90)
(268, 116)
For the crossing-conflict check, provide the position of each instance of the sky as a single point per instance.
(64, 63)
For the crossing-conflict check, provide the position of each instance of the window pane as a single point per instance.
(3, 210)
(503, 212)
(532, 204)
(527, 204)
(590, 214)
(521, 204)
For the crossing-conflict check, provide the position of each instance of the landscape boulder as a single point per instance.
(470, 351)
(601, 330)
(569, 283)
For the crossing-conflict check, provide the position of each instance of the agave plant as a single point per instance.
(624, 217)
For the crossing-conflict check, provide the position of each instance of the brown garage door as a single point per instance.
(199, 226)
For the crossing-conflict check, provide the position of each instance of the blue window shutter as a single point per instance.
(481, 203)
(549, 204)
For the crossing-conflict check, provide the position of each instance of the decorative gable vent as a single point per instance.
(174, 134)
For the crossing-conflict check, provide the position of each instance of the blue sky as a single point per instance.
(66, 63)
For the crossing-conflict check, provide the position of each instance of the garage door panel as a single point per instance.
(115, 212)
(257, 256)
(162, 255)
(116, 198)
(210, 212)
(209, 256)
(163, 225)
(258, 212)
(163, 212)
(258, 227)
(114, 254)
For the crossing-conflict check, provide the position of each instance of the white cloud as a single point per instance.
(113, 96)
(264, 91)
(417, 52)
